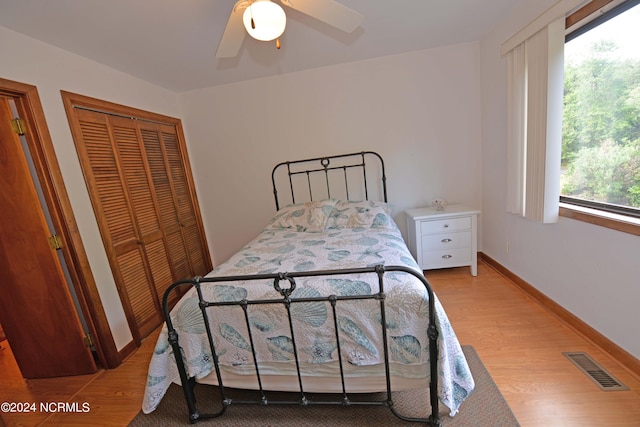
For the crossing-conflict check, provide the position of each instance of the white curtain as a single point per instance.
(535, 80)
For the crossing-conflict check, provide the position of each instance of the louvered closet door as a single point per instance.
(145, 213)
(186, 211)
(177, 211)
(110, 146)
(140, 187)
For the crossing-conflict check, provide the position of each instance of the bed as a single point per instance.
(326, 299)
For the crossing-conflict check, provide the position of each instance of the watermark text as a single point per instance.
(46, 407)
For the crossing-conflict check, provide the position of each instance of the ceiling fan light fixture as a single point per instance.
(264, 20)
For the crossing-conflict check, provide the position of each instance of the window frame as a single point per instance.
(620, 218)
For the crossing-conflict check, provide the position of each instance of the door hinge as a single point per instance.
(18, 126)
(88, 340)
(55, 242)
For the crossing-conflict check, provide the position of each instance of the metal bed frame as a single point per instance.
(295, 168)
(323, 167)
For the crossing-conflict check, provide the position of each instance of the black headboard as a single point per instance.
(354, 176)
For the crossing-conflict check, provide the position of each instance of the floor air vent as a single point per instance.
(595, 372)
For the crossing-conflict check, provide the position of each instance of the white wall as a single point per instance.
(420, 111)
(591, 271)
(51, 69)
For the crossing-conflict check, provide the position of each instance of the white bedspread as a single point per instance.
(359, 322)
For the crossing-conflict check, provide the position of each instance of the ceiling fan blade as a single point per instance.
(328, 11)
(233, 35)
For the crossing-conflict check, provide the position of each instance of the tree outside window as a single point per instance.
(601, 116)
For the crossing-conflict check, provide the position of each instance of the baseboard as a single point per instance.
(580, 327)
(127, 351)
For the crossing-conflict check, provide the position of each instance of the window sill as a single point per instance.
(604, 219)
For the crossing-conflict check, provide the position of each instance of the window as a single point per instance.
(600, 167)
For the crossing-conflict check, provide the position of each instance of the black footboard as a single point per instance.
(285, 283)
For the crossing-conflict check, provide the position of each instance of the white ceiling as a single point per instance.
(172, 43)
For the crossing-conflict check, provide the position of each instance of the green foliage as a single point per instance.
(601, 128)
(608, 173)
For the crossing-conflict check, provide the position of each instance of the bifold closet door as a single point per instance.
(177, 211)
(155, 261)
(115, 201)
(140, 191)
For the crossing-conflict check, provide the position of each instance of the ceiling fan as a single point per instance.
(265, 20)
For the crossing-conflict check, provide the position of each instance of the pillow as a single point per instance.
(310, 216)
(366, 214)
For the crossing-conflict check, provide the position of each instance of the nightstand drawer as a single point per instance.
(446, 258)
(432, 242)
(449, 224)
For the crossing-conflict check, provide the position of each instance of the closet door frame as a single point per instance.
(71, 102)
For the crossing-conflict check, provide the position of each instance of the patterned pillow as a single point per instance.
(366, 214)
(310, 216)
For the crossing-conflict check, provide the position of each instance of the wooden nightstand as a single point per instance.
(443, 239)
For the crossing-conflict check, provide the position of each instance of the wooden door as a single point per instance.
(139, 180)
(172, 191)
(36, 308)
(117, 182)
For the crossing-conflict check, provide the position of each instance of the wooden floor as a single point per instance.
(519, 342)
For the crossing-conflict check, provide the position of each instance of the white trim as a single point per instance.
(562, 8)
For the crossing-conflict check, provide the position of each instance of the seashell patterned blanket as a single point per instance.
(284, 250)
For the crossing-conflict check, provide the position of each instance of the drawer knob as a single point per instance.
(445, 240)
(446, 256)
(446, 226)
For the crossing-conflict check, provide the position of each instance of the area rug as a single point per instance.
(484, 407)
